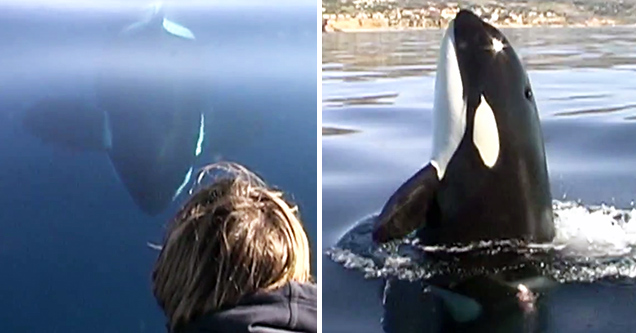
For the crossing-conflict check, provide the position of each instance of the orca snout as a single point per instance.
(466, 24)
(467, 18)
(473, 35)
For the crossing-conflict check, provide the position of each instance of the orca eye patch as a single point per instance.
(528, 93)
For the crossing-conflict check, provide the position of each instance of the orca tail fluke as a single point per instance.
(414, 198)
(155, 13)
(74, 124)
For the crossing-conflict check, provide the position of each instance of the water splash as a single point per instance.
(591, 243)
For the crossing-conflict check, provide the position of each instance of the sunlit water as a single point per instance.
(377, 102)
(73, 244)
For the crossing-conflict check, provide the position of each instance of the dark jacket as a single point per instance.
(291, 308)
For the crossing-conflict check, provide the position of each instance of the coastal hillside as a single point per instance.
(352, 15)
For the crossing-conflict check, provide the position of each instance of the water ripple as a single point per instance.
(414, 53)
(592, 243)
(610, 109)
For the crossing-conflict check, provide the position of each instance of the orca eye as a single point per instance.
(528, 93)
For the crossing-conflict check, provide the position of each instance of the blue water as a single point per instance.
(377, 98)
(73, 245)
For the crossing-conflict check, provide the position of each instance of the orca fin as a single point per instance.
(529, 277)
(71, 123)
(461, 308)
(537, 284)
(150, 12)
(152, 15)
(177, 29)
(408, 207)
(504, 290)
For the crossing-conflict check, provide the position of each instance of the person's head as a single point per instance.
(232, 238)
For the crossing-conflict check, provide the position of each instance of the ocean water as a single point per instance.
(377, 99)
(73, 244)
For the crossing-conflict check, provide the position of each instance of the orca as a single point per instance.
(481, 304)
(148, 114)
(487, 178)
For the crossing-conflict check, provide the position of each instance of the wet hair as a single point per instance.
(232, 238)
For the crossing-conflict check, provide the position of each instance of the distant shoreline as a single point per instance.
(349, 25)
(402, 29)
(437, 15)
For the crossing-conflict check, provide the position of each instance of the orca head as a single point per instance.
(481, 90)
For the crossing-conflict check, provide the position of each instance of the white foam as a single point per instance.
(600, 231)
(591, 243)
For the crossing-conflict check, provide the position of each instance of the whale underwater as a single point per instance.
(148, 114)
(487, 178)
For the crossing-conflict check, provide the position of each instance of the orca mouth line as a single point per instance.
(592, 243)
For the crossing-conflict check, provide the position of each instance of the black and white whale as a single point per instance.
(487, 178)
(148, 114)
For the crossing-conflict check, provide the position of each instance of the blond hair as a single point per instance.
(232, 238)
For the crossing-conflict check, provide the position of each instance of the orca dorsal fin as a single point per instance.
(408, 207)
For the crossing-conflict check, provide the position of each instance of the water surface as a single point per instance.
(73, 244)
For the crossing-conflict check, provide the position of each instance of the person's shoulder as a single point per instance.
(304, 307)
(303, 292)
(290, 308)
